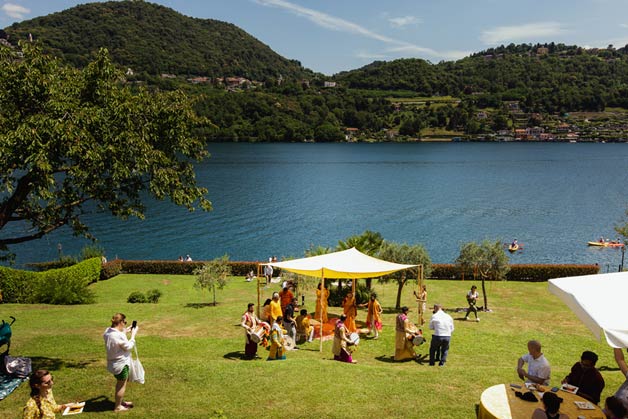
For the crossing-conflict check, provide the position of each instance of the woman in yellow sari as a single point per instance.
(277, 349)
(350, 310)
(321, 304)
(404, 349)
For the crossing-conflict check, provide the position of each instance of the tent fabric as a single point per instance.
(349, 263)
(599, 301)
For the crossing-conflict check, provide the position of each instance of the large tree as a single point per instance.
(408, 255)
(487, 259)
(70, 136)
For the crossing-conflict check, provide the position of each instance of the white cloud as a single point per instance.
(400, 22)
(624, 25)
(15, 11)
(371, 56)
(506, 34)
(338, 24)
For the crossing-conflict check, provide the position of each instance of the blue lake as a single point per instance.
(278, 199)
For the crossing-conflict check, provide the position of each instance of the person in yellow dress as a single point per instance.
(277, 348)
(373, 315)
(303, 326)
(41, 404)
(275, 308)
(404, 349)
(350, 310)
(321, 304)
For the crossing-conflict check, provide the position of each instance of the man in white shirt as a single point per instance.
(443, 325)
(538, 367)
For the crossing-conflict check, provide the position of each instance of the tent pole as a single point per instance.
(420, 285)
(320, 302)
(258, 291)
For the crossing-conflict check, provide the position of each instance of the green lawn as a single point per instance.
(191, 353)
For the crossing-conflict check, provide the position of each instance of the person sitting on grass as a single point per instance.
(341, 341)
(551, 403)
(586, 377)
(303, 326)
(41, 403)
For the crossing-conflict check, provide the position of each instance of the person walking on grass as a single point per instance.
(472, 299)
(443, 326)
(118, 348)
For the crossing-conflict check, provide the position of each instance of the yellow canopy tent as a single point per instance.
(349, 264)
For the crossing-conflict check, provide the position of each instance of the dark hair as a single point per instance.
(616, 407)
(279, 318)
(589, 356)
(268, 300)
(303, 311)
(552, 402)
(35, 380)
(343, 317)
(404, 309)
(250, 305)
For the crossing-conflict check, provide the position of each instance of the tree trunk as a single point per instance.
(369, 281)
(400, 283)
(484, 294)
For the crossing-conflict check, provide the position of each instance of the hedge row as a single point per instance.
(519, 272)
(55, 286)
(179, 268)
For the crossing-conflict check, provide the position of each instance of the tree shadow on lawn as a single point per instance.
(55, 364)
(99, 404)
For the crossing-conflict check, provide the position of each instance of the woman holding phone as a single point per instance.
(118, 348)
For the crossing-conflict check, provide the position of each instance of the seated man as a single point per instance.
(303, 326)
(538, 367)
(289, 322)
(586, 377)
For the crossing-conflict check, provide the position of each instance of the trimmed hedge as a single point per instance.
(55, 286)
(180, 268)
(519, 272)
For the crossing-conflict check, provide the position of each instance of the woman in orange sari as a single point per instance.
(373, 316)
(350, 310)
(321, 304)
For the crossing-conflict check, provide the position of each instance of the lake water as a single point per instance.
(278, 199)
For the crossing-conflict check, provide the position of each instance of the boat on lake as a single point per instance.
(605, 244)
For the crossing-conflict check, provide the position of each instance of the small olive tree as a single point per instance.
(408, 255)
(213, 275)
(487, 259)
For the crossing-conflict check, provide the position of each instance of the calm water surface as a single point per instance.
(278, 199)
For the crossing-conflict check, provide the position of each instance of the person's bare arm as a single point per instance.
(621, 361)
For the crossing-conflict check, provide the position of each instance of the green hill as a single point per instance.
(150, 38)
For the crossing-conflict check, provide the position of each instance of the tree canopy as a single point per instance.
(69, 137)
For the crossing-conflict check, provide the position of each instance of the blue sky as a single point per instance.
(330, 36)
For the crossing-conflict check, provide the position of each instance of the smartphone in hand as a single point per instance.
(134, 324)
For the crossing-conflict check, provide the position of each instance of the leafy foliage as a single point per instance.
(408, 255)
(213, 275)
(147, 37)
(136, 297)
(68, 137)
(55, 286)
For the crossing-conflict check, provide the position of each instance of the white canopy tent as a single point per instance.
(599, 301)
(349, 264)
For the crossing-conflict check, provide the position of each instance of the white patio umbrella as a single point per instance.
(599, 301)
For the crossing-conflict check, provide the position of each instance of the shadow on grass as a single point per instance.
(200, 305)
(99, 404)
(390, 359)
(607, 368)
(239, 356)
(55, 364)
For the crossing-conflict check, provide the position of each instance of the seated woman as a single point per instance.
(551, 402)
(341, 340)
(41, 403)
(303, 326)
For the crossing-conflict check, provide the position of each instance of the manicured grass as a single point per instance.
(191, 352)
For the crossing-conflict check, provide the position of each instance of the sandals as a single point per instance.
(127, 404)
(121, 408)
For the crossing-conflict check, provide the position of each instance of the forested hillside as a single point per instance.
(150, 38)
(542, 92)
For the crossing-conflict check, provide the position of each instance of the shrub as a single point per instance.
(55, 286)
(63, 262)
(111, 269)
(152, 296)
(519, 272)
(91, 251)
(362, 294)
(136, 297)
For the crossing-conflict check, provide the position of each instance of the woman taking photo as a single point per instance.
(42, 403)
(119, 356)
